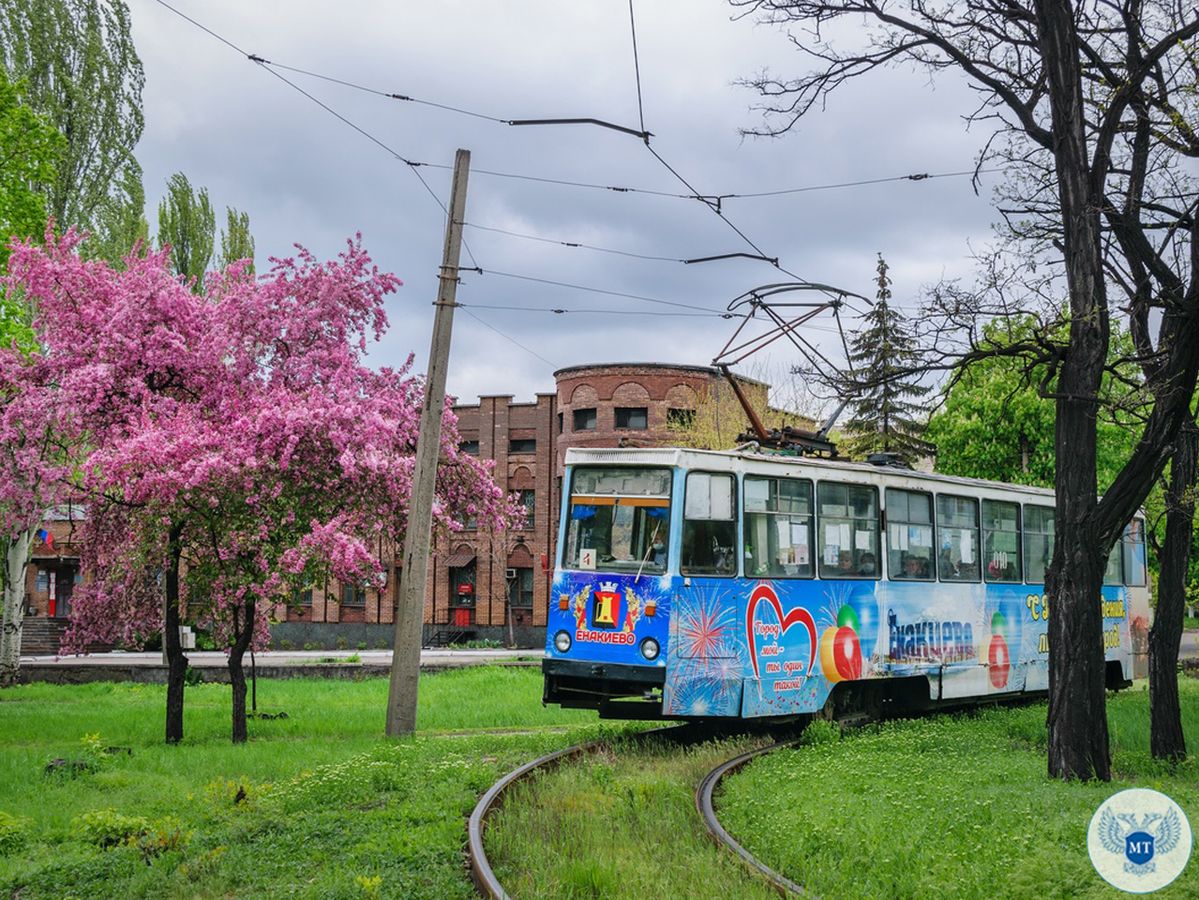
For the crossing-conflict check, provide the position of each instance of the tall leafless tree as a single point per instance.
(1093, 110)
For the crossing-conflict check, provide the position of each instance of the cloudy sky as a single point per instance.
(306, 177)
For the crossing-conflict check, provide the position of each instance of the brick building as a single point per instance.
(496, 585)
(482, 584)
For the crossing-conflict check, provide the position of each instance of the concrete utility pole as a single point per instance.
(405, 663)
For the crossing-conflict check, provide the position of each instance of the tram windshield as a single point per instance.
(619, 520)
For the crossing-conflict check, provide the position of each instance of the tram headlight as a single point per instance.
(650, 649)
(562, 641)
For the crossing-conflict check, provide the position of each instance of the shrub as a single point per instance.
(341, 643)
(309, 645)
(361, 645)
(13, 833)
(108, 828)
(285, 644)
(380, 644)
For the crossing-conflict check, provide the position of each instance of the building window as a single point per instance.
(680, 418)
(527, 499)
(522, 445)
(471, 447)
(560, 418)
(353, 595)
(42, 585)
(462, 585)
(302, 598)
(520, 589)
(584, 419)
(636, 417)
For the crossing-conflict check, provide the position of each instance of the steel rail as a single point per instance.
(481, 872)
(703, 803)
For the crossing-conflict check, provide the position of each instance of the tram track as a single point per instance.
(707, 811)
(688, 734)
(481, 872)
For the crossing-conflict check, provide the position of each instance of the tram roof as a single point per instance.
(742, 461)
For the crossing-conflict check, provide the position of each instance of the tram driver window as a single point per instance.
(909, 535)
(957, 538)
(709, 525)
(848, 530)
(619, 520)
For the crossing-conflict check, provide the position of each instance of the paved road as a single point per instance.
(439, 657)
(215, 659)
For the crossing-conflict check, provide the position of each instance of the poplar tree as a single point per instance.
(187, 225)
(886, 416)
(82, 73)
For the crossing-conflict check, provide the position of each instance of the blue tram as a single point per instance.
(696, 584)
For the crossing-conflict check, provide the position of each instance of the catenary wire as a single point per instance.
(506, 337)
(637, 68)
(410, 164)
(559, 310)
(595, 290)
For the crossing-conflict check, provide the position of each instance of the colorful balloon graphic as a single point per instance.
(1000, 660)
(840, 650)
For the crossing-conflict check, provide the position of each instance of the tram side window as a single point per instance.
(957, 538)
(1001, 540)
(1038, 542)
(848, 530)
(709, 525)
(778, 527)
(1134, 553)
(909, 535)
(1112, 574)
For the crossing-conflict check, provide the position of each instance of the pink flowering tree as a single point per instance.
(34, 461)
(240, 448)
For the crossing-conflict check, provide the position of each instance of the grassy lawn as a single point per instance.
(315, 805)
(948, 806)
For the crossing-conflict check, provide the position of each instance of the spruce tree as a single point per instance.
(886, 416)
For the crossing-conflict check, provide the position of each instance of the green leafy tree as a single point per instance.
(82, 73)
(995, 422)
(29, 147)
(120, 222)
(187, 225)
(237, 242)
(885, 415)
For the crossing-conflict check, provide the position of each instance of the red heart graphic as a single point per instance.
(765, 592)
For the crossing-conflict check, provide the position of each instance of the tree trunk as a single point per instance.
(1166, 740)
(1078, 739)
(253, 681)
(16, 559)
(176, 660)
(237, 673)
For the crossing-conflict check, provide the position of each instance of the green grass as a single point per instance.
(1190, 623)
(330, 808)
(950, 805)
(617, 824)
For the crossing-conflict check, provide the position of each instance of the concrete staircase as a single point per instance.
(41, 636)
